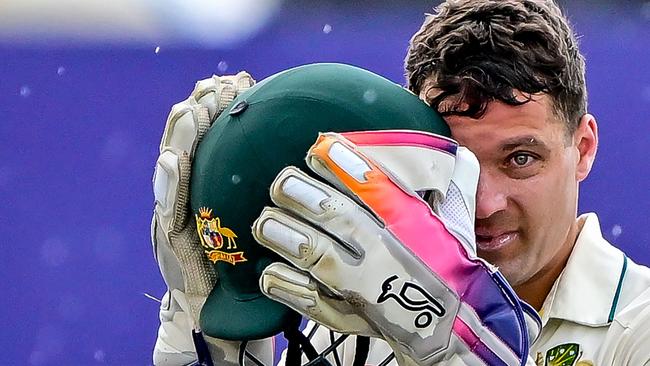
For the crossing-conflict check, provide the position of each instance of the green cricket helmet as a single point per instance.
(267, 128)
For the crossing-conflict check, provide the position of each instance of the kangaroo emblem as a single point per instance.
(412, 297)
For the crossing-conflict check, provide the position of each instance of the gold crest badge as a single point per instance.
(212, 236)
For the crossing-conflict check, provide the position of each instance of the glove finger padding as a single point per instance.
(171, 217)
(392, 259)
(298, 290)
(177, 247)
(172, 226)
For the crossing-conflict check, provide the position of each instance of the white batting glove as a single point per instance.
(372, 258)
(188, 274)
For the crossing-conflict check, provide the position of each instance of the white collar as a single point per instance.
(586, 292)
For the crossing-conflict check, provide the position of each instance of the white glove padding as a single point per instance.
(374, 259)
(188, 274)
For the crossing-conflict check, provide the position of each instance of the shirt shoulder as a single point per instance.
(627, 342)
(634, 291)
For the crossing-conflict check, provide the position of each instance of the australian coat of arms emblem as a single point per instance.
(213, 235)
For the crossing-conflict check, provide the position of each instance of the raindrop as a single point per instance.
(222, 66)
(60, 70)
(617, 230)
(99, 355)
(369, 96)
(25, 91)
(54, 252)
(235, 179)
(327, 29)
(157, 50)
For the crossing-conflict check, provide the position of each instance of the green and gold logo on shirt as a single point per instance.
(567, 354)
(563, 355)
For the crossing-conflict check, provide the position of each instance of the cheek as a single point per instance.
(562, 188)
(532, 196)
(548, 205)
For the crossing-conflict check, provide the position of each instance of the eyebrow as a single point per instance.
(523, 141)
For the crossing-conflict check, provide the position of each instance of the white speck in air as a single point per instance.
(236, 179)
(222, 66)
(151, 297)
(617, 230)
(99, 355)
(157, 50)
(60, 70)
(25, 91)
(327, 29)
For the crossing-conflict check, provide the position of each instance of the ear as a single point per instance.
(585, 139)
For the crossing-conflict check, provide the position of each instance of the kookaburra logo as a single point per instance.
(414, 298)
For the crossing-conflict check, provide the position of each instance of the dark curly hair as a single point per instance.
(477, 51)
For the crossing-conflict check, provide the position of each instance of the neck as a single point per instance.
(535, 290)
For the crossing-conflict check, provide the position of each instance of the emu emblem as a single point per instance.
(412, 297)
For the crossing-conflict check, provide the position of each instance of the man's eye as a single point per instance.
(521, 160)
(522, 165)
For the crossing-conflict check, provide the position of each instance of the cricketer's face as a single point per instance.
(528, 185)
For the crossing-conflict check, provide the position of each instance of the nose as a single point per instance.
(490, 196)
